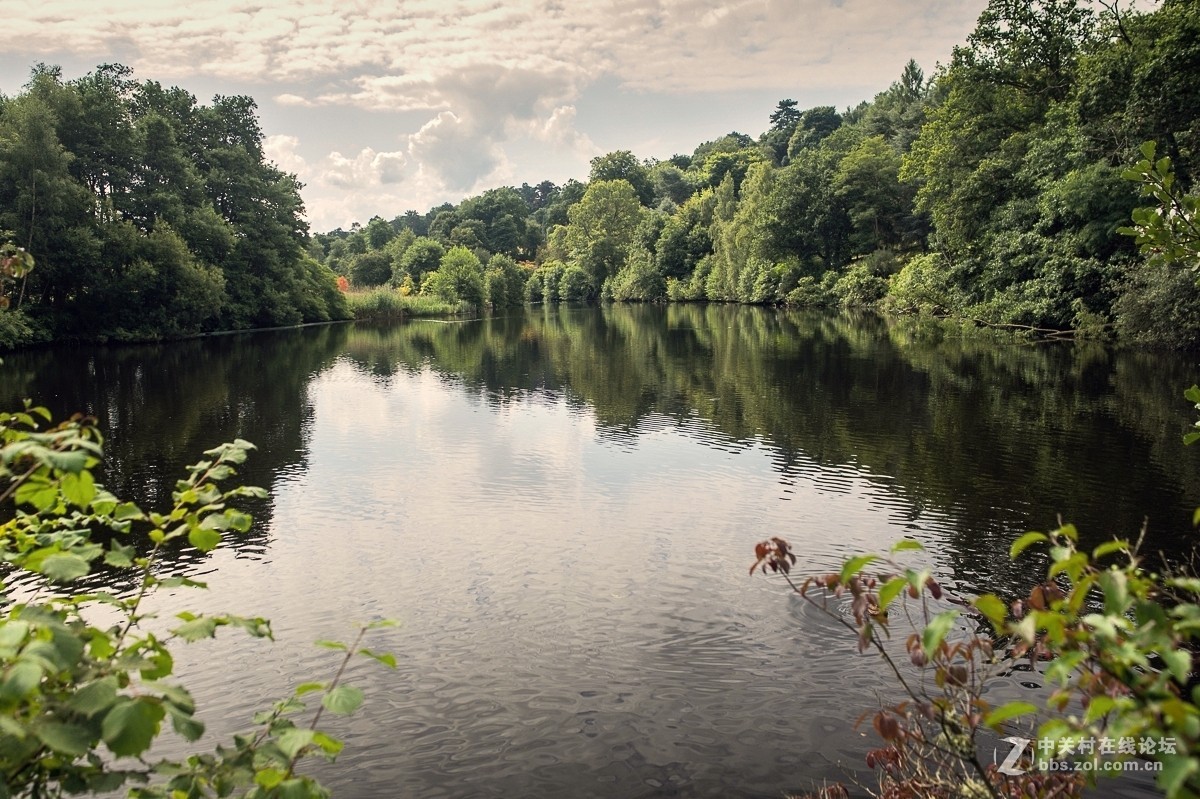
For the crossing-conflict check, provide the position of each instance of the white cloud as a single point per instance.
(401, 52)
(488, 78)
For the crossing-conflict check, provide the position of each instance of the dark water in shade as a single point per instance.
(560, 507)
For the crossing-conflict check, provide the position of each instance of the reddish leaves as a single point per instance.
(774, 554)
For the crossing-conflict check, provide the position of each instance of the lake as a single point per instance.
(560, 506)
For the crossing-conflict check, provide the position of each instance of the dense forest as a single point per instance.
(148, 215)
(991, 191)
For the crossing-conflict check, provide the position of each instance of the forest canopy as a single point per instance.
(991, 190)
(149, 215)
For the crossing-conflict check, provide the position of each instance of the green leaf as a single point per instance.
(1115, 586)
(1010, 710)
(993, 608)
(292, 740)
(935, 632)
(1024, 542)
(906, 545)
(64, 567)
(329, 745)
(308, 687)
(69, 739)
(1108, 548)
(297, 788)
(197, 629)
(204, 539)
(79, 489)
(853, 566)
(184, 723)
(269, 777)
(127, 511)
(343, 700)
(131, 726)
(887, 594)
(21, 680)
(332, 644)
(94, 697)
(12, 633)
(119, 556)
(1098, 707)
(1179, 662)
(1189, 584)
(37, 492)
(381, 623)
(389, 660)
(1176, 770)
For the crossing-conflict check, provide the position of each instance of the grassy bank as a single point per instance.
(382, 304)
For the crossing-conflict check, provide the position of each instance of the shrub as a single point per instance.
(70, 684)
(458, 278)
(576, 285)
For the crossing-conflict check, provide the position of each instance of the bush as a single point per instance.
(18, 330)
(383, 304)
(859, 286)
(70, 685)
(923, 285)
(371, 269)
(638, 280)
(576, 285)
(459, 278)
(1159, 304)
(505, 282)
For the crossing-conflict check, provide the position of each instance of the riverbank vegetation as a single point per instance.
(990, 190)
(1110, 635)
(383, 304)
(150, 215)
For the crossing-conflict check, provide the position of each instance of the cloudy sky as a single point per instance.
(380, 107)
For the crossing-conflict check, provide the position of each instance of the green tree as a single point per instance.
(603, 225)
(423, 256)
(458, 278)
(371, 269)
(868, 181)
(624, 165)
(505, 282)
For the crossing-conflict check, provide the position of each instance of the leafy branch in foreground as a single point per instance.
(1168, 231)
(70, 685)
(1113, 640)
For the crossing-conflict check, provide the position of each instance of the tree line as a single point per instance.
(990, 191)
(149, 215)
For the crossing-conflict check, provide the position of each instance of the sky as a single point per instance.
(381, 107)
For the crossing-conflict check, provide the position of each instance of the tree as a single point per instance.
(602, 228)
(371, 269)
(811, 128)
(868, 181)
(459, 277)
(784, 120)
(623, 165)
(505, 282)
(379, 233)
(423, 256)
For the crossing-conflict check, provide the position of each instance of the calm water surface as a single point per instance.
(560, 507)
